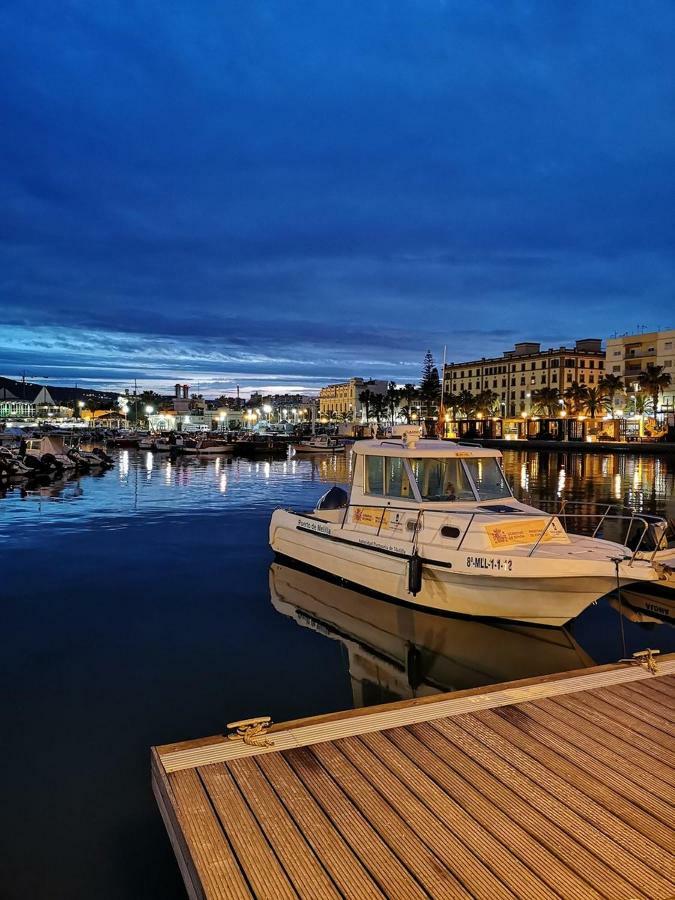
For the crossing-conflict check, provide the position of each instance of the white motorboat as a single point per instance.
(435, 523)
(322, 443)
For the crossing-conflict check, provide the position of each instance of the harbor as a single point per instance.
(174, 619)
(337, 451)
(548, 787)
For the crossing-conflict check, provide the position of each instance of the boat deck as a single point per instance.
(561, 786)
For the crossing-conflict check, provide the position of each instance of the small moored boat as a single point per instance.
(435, 524)
(322, 443)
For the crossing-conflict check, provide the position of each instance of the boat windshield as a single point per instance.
(487, 475)
(441, 479)
(447, 479)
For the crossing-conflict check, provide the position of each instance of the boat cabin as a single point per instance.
(396, 473)
(437, 492)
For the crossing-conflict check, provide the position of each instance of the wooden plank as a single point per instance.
(308, 876)
(582, 762)
(581, 736)
(479, 841)
(577, 841)
(521, 842)
(646, 755)
(428, 871)
(601, 794)
(322, 834)
(254, 854)
(653, 704)
(392, 718)
(647, 862)
(654, 742)
(662, 687)
(467, 868)
(637, 710)
(160, 789)
(218, 869)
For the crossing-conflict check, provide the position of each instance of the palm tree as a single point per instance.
(451, 402)
(639, 404)
(546, 402)
(654, 381)
(575, 397)
(466, 403)
(611, 385)
(486, 402)
(593, 401)
(366, 397)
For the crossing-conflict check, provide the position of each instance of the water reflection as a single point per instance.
(395, 652)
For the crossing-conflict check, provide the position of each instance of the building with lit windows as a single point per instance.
(517, 373)
(630, 354)
(337, 401)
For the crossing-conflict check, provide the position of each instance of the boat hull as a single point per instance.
(208, 451)
(538, 598)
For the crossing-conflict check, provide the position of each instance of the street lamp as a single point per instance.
(149, 410)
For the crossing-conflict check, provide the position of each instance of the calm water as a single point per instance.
(140, 608)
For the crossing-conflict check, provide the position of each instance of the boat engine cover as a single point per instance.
(335, 498)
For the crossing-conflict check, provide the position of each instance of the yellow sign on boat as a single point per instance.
(369, 515)
(509, 534)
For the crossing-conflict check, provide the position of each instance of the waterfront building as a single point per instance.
(16, 409)
(630, 354)
(341, 400)
(527, 368)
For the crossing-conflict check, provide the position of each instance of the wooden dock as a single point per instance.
(561, 786)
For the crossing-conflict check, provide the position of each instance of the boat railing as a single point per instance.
(419, 517)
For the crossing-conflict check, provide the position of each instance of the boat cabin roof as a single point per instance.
(420, 449)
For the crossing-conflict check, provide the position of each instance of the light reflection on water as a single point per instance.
(147, 484)
(139, 608)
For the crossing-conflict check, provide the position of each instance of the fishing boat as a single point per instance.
(321, 443)
(435, 523)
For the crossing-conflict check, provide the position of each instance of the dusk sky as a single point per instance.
(281, 194)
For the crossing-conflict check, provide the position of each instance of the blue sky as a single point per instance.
(280, 194)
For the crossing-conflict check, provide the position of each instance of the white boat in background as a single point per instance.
(435, 523)
(402, 652)
(208, 447)
(321, 443)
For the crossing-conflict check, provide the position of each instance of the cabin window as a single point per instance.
(487, 475)
(441, 479)
(386, 477)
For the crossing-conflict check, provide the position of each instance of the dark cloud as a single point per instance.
(310, 191)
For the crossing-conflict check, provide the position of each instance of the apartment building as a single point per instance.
(629, 354)
(342, 399)
(527, 368)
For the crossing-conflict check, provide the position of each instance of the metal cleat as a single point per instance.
(251, 731)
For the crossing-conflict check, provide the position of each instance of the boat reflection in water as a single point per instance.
(648, 607)
(398, 652)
